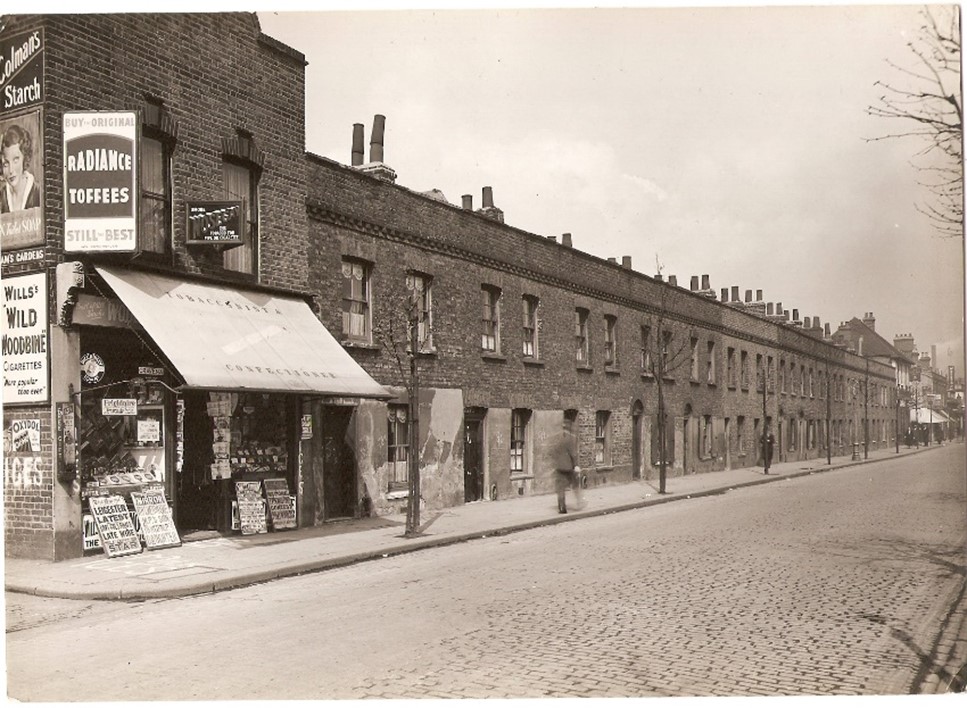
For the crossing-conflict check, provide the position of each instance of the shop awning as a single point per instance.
(926, 416)
(220, 337)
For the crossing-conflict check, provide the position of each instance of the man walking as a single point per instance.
(566, 468)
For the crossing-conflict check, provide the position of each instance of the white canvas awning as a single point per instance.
(928, 416)
(220, 337)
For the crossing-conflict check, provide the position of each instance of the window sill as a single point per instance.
(531, 361)
(393, 496)
(712, 384)
(585, 368)
(351, 344)
(668, 379)
(648, 377)
(603, 468)
(520, 477)
(613, 370)
(492, 356)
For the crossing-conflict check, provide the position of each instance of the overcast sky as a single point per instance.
(720, 141)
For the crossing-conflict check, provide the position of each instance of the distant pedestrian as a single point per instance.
(564, 454)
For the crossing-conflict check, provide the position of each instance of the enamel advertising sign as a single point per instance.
(26, 368)
(100, 182)
(22, 70)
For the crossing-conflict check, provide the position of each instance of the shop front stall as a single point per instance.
(202, 394)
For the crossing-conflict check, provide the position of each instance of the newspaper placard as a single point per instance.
(251, 507)
(281, 513)
(157, 526)
(114, 526)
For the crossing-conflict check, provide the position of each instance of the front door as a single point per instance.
(636, 440)
(338, 463)
(473, 482)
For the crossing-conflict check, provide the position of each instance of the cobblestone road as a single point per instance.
(836, 583)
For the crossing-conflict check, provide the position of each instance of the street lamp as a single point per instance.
(896, 432)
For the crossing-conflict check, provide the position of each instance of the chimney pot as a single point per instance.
(658, 277)
(488, 197)
(795, 314)
(468, 202)
(705, 283)
(725, 294)
(735, 293)
(694, 283)
(566, 240)
(376, 139)
(552, 238)
(673, 280)
(758, 296)
(626, 261)
(612, 259)
(826, 330)
(358, 154)
(769, 307)
(748, 296)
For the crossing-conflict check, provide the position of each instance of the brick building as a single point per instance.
(187, 340)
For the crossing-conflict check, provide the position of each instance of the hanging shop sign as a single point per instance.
(100, 181)
(25, 329)
(119, 406)
(114, 525)
(96, 311)
(92, 368)
(22, 70)
(215, 223)
(22, 186)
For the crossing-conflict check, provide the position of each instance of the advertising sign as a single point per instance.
(21, 181)
(100, 181)
(155, 520)
(214, 223)
(21, 70)
(119, 406)
(114, 526)
(26, 367)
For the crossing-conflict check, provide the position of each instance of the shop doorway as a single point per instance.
(473, 482)
(338, 463)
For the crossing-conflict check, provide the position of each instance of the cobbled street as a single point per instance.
(847, 582)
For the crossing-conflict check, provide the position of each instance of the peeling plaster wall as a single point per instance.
(440, 455)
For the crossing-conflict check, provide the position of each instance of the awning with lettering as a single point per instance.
(928, 416)
(220, 337)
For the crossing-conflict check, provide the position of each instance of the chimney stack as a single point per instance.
(566, 240)
(725, 294)
(612, 259)
(468, 202)
(705, 283)
(488, 209)
(748, 296)
(626, 262)
(758, 296)
(735, 293)
(870, 321)
(826, 334)
(673, 280)
(769, 309)
(358, 154)
(694, 283)
(376, 139)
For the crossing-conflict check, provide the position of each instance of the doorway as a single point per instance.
(473, 467)
(636, 410)
(338, 463)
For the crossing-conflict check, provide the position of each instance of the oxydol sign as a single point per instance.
(100, 181)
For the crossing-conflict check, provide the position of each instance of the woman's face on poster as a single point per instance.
(13, 164)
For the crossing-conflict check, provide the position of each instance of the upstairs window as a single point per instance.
(241, 168)
(159, 134)
(490, 319)
(356, 300)
(529, 308)
(420, 287)
(581, 351)
(744, 370)
(710, 364)
(610, 341)
(730, 366)
(694, 358)
(646, 349)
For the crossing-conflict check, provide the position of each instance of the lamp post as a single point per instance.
(765, 420)
(896, 435)
(829, 415)
(854, 392)
(866, 413)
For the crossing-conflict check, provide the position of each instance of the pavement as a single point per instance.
(224, 562)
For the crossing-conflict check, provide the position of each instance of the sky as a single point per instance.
(728, 141)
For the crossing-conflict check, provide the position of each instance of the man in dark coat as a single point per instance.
(564, 455)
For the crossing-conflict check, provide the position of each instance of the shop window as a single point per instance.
(519, 420)
(397, 446)
(610, 341)
(356, 300)
(531, 330)
(602, 438)
(241, 169)
(490, 319)
(420, 287)
(581, 350)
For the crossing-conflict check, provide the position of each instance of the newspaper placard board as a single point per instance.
(114, 526)
(251, 507)
(281, 513)
(157, 526)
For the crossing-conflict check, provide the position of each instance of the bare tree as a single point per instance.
(663, 356)
(404, 332)
(926, 97)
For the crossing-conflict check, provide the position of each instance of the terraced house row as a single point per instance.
(201, 315)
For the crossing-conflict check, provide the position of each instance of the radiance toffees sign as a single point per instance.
(100, 181)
